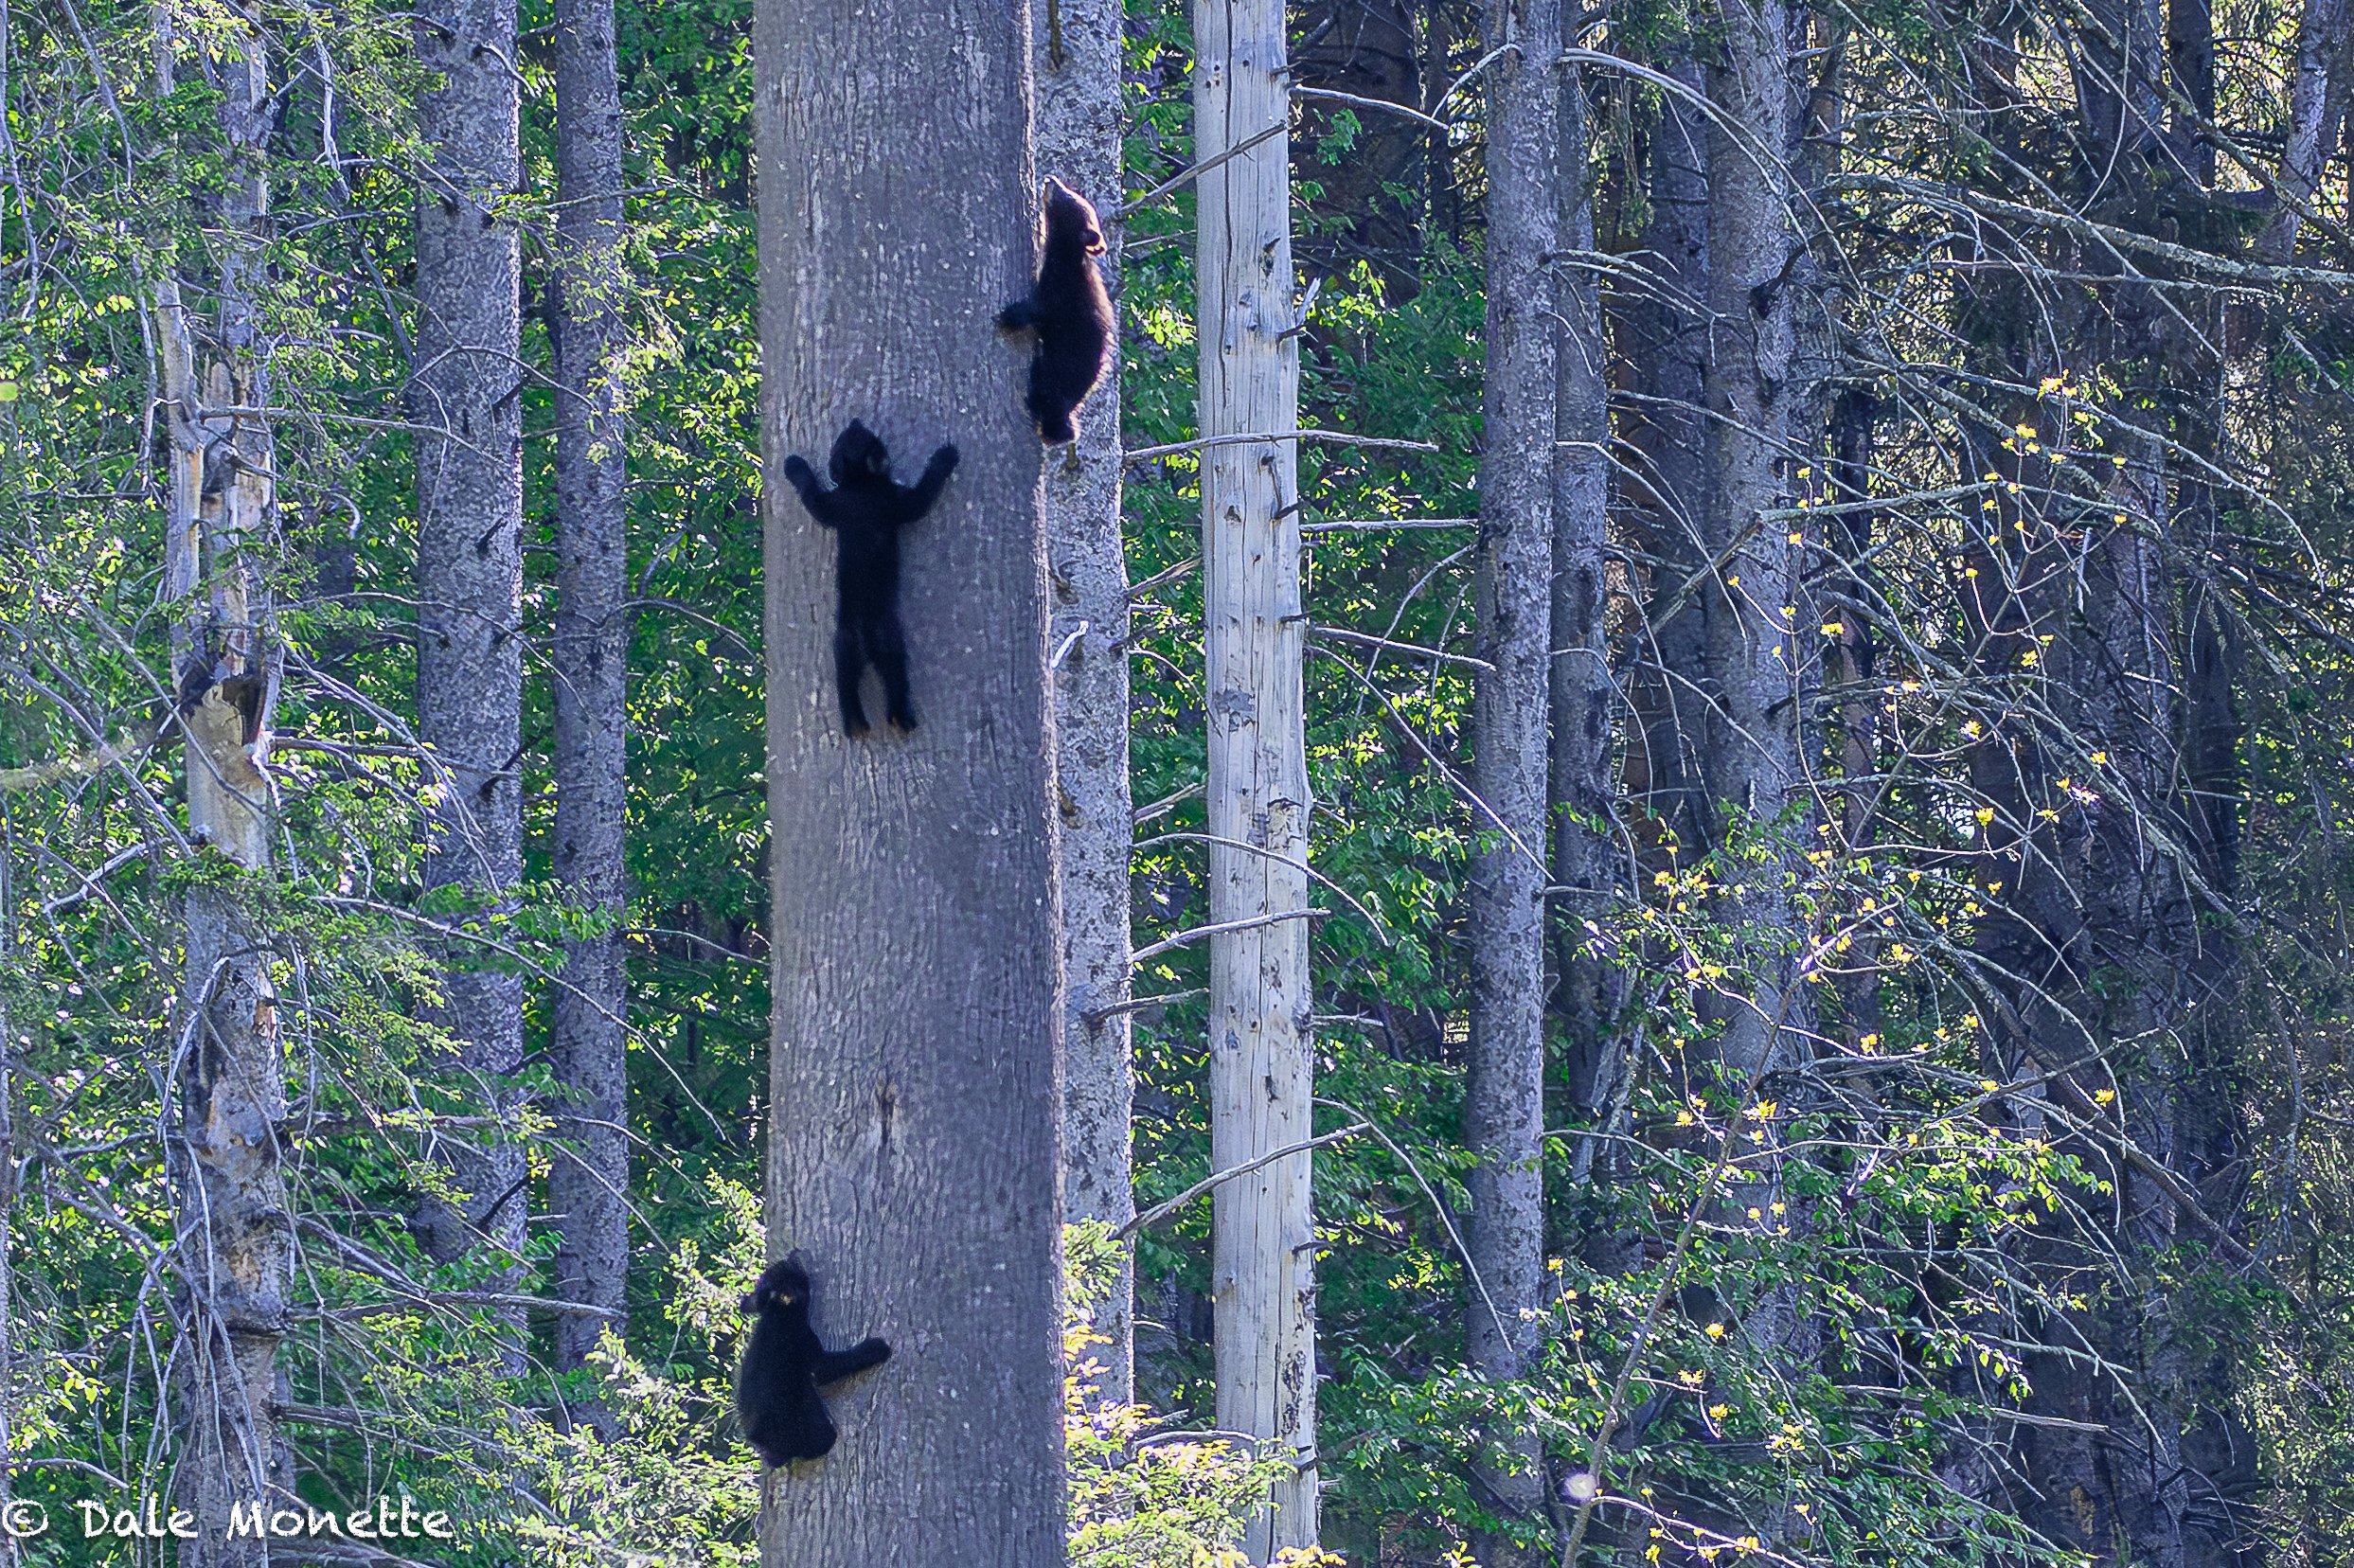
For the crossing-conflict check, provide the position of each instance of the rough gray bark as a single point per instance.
(1076, 58)
(1589, 867)
(589, 1177)
(1262, 1266)
(1751, 649)
(470, 578)
(233, 1237)
(1503, 1098)
(914, 1143)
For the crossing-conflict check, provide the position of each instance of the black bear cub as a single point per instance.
(1069, 310)
(784, 1366)
(867, 508)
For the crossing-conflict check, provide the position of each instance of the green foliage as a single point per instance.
(1919, 1206)
(1143, 1494)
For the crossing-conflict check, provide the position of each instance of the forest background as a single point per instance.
(1826, 712)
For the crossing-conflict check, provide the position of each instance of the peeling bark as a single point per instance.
(233, 1246)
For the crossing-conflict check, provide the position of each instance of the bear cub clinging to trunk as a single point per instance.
(867, 508)
(784, 1366)
(1070, 311)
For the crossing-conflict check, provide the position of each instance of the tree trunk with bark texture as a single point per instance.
(1751, 649)
(234, 1243)
(1076, 58)
(1589, 871)
(914, 1073)
(589, 1179)
(470, 582)
(1262, 1268)
(1504, 1097)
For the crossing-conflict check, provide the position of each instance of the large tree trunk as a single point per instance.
(914, 1140)
(588, 1180)
(1076, 59)
(1504, 1103)
(234, 1241)
(470, 581)
(1262, 1265)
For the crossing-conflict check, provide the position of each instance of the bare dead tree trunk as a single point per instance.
(1503, 1100)
(589, 1178)
(470, 579)
(913, 1059)
(233, 1242)
(1076, 60)
(1262, 1263)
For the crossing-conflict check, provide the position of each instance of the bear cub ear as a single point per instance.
(1068, 212)
(1070, 311)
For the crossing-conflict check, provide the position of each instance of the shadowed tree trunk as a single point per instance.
(2109, 778)
(1852, 656)
(589, 1179)
(1262, 1267)
(1076, 60)
(469, 581)
(1367, 49)
(1503, 1100)
(914, 1079)
(1664, 344)
(233, 1242)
